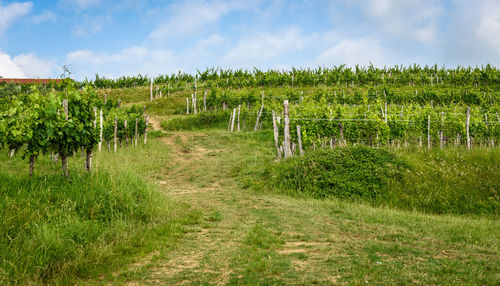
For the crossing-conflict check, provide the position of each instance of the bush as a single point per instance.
(355, 173)
(449, 181)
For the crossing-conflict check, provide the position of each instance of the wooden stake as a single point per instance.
(299, 137)
(195, 110)
(467, 121)
(116, 129)
(146, 130)
(239, 109)
(441, 136)
(230, 120)
(258, 117)
(233, 120)
(286, 144)
(385, 114)
(151, 90)
(100, 129)
(64, 158)
(276, 134)
(428, 132)
(187, 105)
(136, 131)
(126, 131)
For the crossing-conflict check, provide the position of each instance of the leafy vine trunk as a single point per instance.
(88, 160)
(64, 162)
(32, 164)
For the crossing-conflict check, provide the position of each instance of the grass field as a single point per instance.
(199, 207)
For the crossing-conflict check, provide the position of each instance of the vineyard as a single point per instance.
(308, 176)
(441, 116)
(62, 123)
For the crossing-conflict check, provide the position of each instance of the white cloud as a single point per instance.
(189, 17)
(8, 68)
(409, 19)
(212, 40)
(34, 67)
(12, 12)
(45, 16)
(351, 52)
(26, 65)
(130, 61)
(90, 25)
(267, 46)
(488, 29)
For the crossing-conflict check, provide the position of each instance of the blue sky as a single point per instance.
(127, 37)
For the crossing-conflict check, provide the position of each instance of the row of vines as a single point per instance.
(372, 116)
(342, 75)
(338, 75)
(38, 122)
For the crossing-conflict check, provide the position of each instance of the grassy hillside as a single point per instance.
(57, 230)
(201, 205)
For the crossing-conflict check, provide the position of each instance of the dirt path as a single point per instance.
(197, 174)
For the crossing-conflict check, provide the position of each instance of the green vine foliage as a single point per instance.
(122, 114)
(35, 123)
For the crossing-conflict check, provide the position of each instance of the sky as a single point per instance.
(127, 37)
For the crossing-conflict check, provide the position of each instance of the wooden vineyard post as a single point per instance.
(146, 130)
(205, 100)
(385, 113)
(88, 158)
(233, 119)
(126, 132)
(151, 90)
(64, 158)
(258, 117)
(299, 136)
(187, 105)
(136, 134)
(286, 122)
(100, 129)
(276, 134)
(194, 104)
(342, 142)
(428, 132)
(230, 120)
(467, 121)
(116, 129)
(239, 109)
(441, 139)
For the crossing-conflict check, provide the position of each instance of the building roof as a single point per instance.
(29, 80)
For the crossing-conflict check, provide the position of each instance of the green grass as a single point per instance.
(217, 119)
(201, 207)
(437, 181)
(58, 230)
(255, 237)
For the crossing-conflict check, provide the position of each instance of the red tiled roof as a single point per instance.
(29, 80)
